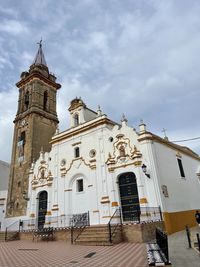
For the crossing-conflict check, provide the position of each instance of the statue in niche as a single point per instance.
(42, 174)
(122, 151)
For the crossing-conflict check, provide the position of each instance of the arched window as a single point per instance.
(76, 152)
(79, 185)
(21, 145)
(26, 99)
(45, 100)
(76, 120)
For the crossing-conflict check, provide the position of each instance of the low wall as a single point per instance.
(132, 233)
(59, 235)
(140, 233)
(176, 221)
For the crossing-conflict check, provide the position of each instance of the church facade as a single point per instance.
(98, 165)
(95, 166)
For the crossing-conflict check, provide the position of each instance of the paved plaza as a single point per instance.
(59, 253)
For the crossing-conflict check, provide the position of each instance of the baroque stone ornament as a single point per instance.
(123, 154)
(44, 176)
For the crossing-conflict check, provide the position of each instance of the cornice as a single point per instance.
(80, 129)
(38, 112)
(150, 136)
(37, 75)
(64, 171)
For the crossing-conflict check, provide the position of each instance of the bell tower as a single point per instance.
(35, 124)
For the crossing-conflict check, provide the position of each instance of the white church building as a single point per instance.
(98, 165)
(95, 166)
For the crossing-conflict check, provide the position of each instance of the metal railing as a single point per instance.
(114, 223)
(162, 242)
(50, 221)
(78, 224)
(143, 214)
(13, 228)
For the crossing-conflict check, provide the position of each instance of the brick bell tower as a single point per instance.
(35, 124)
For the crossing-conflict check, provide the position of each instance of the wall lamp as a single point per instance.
(144, 169)
(25, 196)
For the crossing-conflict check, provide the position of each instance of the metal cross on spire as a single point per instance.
(40, 42)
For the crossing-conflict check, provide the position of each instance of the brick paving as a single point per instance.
(57, 253)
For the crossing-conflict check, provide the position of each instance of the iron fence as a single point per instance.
(13, 228)
(162, 242)
(143, 214)
(50, 221)
(78, 223)
(114, 223)
(62, 221)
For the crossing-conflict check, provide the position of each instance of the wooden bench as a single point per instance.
(44, 234)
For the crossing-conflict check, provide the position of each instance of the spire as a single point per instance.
(39, 58)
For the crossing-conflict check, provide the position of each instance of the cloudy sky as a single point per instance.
(137, 57)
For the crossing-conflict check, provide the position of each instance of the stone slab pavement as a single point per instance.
(179, 252)
(26, 253)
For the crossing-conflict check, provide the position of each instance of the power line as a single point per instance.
(185, 140)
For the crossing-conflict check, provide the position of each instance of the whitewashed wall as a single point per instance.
(184, 193)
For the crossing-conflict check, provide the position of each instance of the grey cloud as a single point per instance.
(134, 57)
(13, 27)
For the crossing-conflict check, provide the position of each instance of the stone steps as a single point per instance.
(96, 236)
(91, 234)
(93, 238)
(93, 243)
(10, 236)
(2, 236)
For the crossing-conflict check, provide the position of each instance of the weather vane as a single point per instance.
(40, 42)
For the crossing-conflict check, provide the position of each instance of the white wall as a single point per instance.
(4, 177)
(183, 192)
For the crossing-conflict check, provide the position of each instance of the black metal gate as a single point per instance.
(42, 208)
(129, 197)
